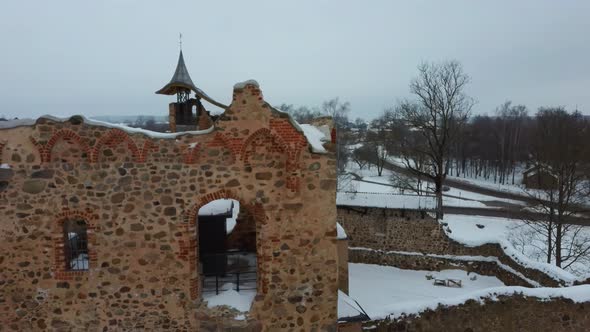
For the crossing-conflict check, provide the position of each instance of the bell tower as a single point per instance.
(181, 115)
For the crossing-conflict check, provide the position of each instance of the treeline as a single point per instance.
(496, 148)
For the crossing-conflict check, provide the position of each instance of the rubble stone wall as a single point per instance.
(343, 260)
(140, 197)
(416, 232)
(513, 313)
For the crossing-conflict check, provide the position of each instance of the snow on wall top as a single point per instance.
(315, 136)
(153, 134)
(463, 230)
(341, 233)
(241, 85)
(578, 294)
(384, 200)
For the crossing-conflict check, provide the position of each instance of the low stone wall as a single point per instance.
(514, 313)
(416, 232)
(343, 260)
(429, 263)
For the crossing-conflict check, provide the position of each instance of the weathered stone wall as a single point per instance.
(140, 197)
(514, 313)
(429, 263)
(416, 232)
(343, 265)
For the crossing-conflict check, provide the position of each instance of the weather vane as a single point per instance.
(180, 40)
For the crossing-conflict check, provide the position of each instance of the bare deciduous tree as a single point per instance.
(438, 114)
(559, 151)
(301, 114)
(362, 155)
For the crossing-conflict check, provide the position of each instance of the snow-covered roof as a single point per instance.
(316, 136)
(349, 310)
(131, 130)
(341, 233)
(386, 200)
(533, 170)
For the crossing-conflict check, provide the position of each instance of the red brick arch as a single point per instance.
(220, 140)
(277, 143)
(113, 138)
(58, 241)
(62, 134)
(189, 244)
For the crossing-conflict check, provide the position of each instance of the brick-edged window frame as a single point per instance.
(76, 244)
(189, 244)
(59, 266)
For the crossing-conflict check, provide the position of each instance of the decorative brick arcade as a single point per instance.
(139, 196)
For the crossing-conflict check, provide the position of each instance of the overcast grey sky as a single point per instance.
(108, 57)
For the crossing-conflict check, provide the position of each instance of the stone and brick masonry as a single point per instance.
(418, 235)
(140, 196)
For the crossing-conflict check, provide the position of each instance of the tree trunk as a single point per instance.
(439, 198)
(549, 241)
(558, 236)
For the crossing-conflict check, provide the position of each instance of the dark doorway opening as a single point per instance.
(227, 248)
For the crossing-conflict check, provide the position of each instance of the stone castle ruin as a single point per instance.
(100, 223)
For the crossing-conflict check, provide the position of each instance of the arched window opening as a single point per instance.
(227, 252)
(76, 245)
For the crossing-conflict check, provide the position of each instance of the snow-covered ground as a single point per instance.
(517, 188)
(516, 238)
(241, 300)
(385, 200)
(465, 194)
(383, 290)
(454, 197)
(388, 291)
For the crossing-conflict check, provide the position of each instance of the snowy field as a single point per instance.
(383, 290)
(388, 291)
(382, 184)
(517, 240)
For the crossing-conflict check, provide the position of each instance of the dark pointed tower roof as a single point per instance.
(181, 81)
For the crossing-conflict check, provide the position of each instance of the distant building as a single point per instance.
(539, 177)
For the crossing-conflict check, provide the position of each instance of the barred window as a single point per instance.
(76, 245)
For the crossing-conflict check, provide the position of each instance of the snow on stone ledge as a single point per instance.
(463, 229)
(341, 233)
(315, 137)
(130, 130)
(578, 294)
(241, 85)
(384, 200)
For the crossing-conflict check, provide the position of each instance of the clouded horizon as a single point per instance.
(109, 57)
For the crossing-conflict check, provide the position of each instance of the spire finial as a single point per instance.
(180, 40)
